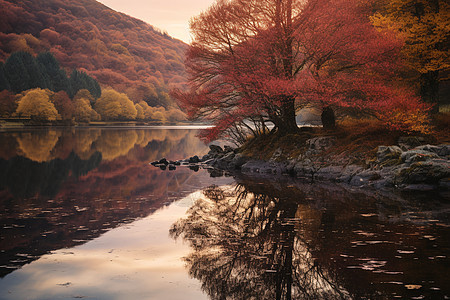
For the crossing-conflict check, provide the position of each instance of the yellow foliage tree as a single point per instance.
(113, 105)
(84, 93)
(36, 104)
(175, 115)
(425, 26)
(140, 112)
(84, 111)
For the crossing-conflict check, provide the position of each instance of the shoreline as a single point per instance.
(404, 167)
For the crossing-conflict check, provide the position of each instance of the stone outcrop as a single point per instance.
(405, 166)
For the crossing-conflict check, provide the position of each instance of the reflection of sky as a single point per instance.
(134, 261)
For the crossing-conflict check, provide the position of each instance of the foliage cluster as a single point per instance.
(118, 50)
(254, 63)
(425, 28)
(45, 105)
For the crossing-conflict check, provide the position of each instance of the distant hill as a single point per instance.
(118, 50)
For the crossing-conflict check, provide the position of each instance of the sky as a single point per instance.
(168, 15)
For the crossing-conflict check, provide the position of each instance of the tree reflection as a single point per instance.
(247, 245)
(38, 146)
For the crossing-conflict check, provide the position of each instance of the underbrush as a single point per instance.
(356, 139)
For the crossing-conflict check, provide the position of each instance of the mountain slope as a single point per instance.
(116, 49)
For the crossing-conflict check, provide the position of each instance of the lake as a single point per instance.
(83, 215)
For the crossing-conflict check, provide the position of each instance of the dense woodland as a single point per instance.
(117, 50)
(39, 89)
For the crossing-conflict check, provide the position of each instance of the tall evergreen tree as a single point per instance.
(16, 73)
(57, 78)
(4, 83)
(23, 72)
(80, 80)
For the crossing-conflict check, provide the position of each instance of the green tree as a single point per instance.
(36, 104)
(4, 83)
(17, 73)
(56, 77)
(80, 80)
(113, 105)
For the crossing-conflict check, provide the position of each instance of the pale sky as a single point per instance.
(168, 15)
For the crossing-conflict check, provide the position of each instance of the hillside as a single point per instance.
(119, 51)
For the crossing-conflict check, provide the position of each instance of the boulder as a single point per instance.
(441, 150)
(321, 143)
(431, 171)
(238, 160)
(228, 149)
(409, 142)
(194, 160)
(414, 155)
(163, 161)
(388, 154)
(215, 150)
(329, 173)
(365, 177)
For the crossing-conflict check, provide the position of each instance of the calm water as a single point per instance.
(83, 215)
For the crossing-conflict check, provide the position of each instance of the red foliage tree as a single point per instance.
(259, 60)
(63, 105)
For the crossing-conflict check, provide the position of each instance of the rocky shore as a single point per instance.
(407, 166)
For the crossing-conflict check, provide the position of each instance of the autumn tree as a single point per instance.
(113, 105)
(84, 112)
(8, 103)
(84, 93)
(36, 104)
(63, 105)
(425, 26)
(257, 61)
(140, 115)
(175, 115)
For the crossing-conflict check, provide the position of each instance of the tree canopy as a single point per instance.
(36, 103)
(425, 26)
(258, 61)
(113, 105)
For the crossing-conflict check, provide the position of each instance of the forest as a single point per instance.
(39, 89)
(117, 50)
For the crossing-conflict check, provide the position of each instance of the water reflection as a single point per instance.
(60, 188)
(266, 240)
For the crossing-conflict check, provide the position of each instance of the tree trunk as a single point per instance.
(429, 89)
(328, 118)
(287, 123)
